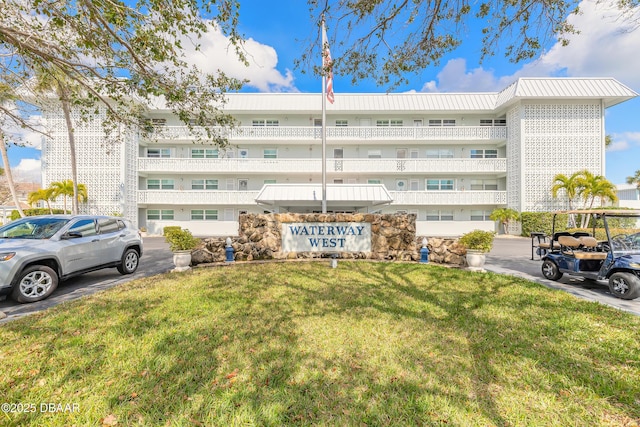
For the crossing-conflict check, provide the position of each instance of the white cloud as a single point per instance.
(623, 141)
(605, 47)
(217, 53)
(27, 171)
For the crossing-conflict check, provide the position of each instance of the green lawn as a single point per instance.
(366, 344)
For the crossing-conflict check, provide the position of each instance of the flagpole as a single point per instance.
(324, 128)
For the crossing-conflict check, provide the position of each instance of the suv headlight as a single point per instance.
(6, 256)
(634, 265)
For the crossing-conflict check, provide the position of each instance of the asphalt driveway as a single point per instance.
(512, 255)
(156, 259)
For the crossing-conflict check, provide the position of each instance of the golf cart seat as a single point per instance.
(575, 246)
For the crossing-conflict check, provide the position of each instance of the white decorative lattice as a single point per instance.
(106, 168)
(513, 159)
(558, 139)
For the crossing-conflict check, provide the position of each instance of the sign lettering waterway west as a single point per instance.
(326, 237)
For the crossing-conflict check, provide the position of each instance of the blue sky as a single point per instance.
(276, 32)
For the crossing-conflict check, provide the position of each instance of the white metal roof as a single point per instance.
(355, 194)
(608, 89)
(361, 102)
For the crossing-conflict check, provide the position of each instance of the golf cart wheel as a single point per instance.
(624, 285)
(550, 270)
(34, 284)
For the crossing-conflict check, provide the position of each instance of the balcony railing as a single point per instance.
(196, 197)
(429, 198)
(355, 133)
(409, 198)
(347, 166)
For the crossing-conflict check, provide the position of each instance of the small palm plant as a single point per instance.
(504, 216)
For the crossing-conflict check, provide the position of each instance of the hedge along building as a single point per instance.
(448, 158)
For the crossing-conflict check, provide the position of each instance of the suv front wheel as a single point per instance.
(130, 261)
(35, 283)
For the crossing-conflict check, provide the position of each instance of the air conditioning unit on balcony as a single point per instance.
(243, 153)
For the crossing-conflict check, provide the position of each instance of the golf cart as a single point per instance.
(611, 252)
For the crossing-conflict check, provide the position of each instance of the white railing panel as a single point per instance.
(197, 197)
(235, 165)
(448, 197)
(305, 133)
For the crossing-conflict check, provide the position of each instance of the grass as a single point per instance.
(366, 344)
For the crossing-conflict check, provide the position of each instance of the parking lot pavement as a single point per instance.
(512, 255)
(156, 259)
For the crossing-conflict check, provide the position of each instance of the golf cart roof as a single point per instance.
(606, 212)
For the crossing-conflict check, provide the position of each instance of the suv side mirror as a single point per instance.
(71, 235)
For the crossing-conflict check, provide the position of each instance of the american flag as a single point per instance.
(327, 65)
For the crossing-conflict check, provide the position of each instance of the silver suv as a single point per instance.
(36, 252)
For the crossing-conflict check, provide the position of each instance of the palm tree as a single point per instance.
(52, 80)
(635, 179)
(504, 216)
(595, 187)
(571, 186)
(5, 97)
(44, 194)
(67, 188)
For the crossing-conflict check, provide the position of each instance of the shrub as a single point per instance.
(170, 229)
(179, 239)
(33, 212)
(534, 222)
(477, 240)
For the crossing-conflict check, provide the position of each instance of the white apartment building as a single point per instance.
(450, 158)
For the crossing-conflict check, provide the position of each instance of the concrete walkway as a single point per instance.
(512, 255)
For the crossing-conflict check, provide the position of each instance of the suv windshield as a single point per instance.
(32, 228)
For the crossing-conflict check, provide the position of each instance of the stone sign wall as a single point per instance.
(382, 237)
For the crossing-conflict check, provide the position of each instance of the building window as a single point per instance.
(486, 184)
(480, 215)
(159, 122)
(396, 123)
(269, 181)
(483, 154)
(374, 181)
(414, 153)
(413, 185)
(439, 215)
(384, 122)
(160, 184)
(204, 153)
(270, 153)
(204, 214)
(374, 154)
(243, 184)
(439, 184)
(342, 123)
(159, 214)
(265, 122)
(440, 153)
(158, 153)
(442, 122)
(493, 122)
(204, 184)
